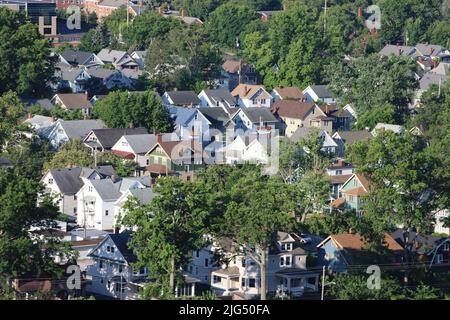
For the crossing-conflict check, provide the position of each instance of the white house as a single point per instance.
(139, 58)
(439, 224)
(63, 131)
(188, 99)
(64, 183)
(248, 96)
(316, 93)
(134, 147)
(190, 124)
(254, 118)
(111, 273)
(382, 127)
(217, 98)
(143, 195)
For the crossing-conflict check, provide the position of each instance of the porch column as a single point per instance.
(289, 284)
(193, 290)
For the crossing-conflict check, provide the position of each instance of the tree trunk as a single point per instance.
(172, 275)
(263, 275)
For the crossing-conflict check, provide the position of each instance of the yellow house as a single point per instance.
(296, 114)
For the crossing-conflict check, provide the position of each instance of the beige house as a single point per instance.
(297, 114)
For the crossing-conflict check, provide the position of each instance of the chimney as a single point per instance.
(53, 119)
(29, 115)
(159, 138)
(160, 10)
(131, 125)
(86, 94)
(183, 13)
(360, 12)
(431, 51)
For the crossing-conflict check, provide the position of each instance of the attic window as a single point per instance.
(50, 181)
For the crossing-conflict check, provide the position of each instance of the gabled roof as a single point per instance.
(365, 183)
(106, 189)
(76, 57)
(183, 97)
(73, 100)
(80, 128)
(100, 73)
(216, 116)
(292, 109)
(140, 143)
(293, 93)
(247, 91)
(256, 115)
(108, 137)
(220, 96)
(431, 78)
(320, 90)
(387, 127)
(429, 49)
(350, 137)
(121, 241)
(390, 49)
(182, 116)
(67, 179)
(356, 242)
(423, 243)
(305, 132)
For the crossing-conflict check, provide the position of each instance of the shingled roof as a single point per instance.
(292, 109)
(107, 137)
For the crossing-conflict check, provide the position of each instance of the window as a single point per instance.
(285, 261)
(243, 262)
(100, 264)
(75, 197)
(112, 249)
(106, 212)
(120, 268)
(252, 283)
(50, 181)
(217, 279)
(338, 172)
(243, 282)
(440, 258)
(206, 262)
(117, 287)
(90, 188)
(446, 246)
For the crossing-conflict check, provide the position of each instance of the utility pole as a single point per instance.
(323, 283)
(128, 12)
(325, 16)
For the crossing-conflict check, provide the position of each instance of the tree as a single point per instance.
(71, 154)
(121, 109)
(374, 85)
(439, 33)
(226, 23)
(200, 8)
(354, 287)
(11, 110)
(404, 192)
(25, 56)
(253, 219)
(165, 238)
(24, 252)
(95, 39)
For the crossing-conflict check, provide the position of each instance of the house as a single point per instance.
(135, 147)
(95, 201)
(190, 124)
(220, 121)
(353, 193)
(315, 93)
(382, 127)
(398, 50)
(433, 52)
(202, 264)
(112, 273)
(286, 272)
(169, 157)
(254, 118)
(181, 99)
(339, 252)
(139, 57)
(329, 145)
(64, 183)
(119, 59)
(182, 16)
(237, 72)
(217, 98)
(77, 58)
(111, 79)
(247, 149)
(39, 123)
(428, 249)
(73, 101)
(248, 96)
(105, 139)
(268, 14)
(287, 93)
(143, 195)
(70, 78)
(438, 76)
(339, 172)
(342, 119)
(346, 138)
(63, 131)
(296, 114)
(439, 227)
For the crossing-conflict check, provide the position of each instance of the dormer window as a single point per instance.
(286, 247)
